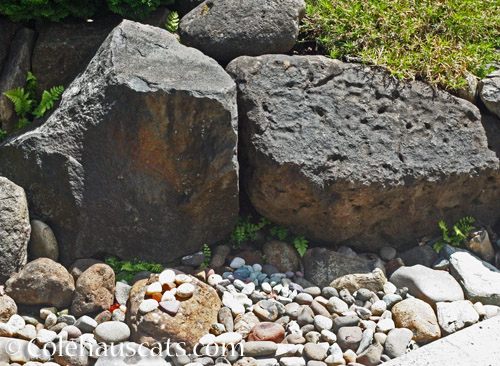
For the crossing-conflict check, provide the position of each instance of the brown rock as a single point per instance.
(250, 257)
(192, 321)
(7, 30)
(95, 290)
(81, 265)
(282, 256)
(349, 338)
(371, 356)
(419, 317)
(373, 281)
(103, 316)
(267, 331)
(319, 309)
(42, 282)
(8, 308)
(219, 256)
(244, 323)
(315, 351)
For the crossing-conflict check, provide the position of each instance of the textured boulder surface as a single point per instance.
(7, 32)
(95, 290)
(226, 29)
(490, 92)
(140, 156)
(42, 282)
(192, 321)
(14, 72)
(14, 229)
(322, 265)
(342, 153)
(62, 50)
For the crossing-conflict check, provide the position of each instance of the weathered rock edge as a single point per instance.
(140, 157)
(344, 153)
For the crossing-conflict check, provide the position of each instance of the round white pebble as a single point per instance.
(185, 290)
(148, 306)
(154, 288)
(182, 278)
(214, 279)
(167, 276)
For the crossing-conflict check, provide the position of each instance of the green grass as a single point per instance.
(439, 41)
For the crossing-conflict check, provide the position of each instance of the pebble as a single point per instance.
(378, 307)
(154, 288)
(167, 276)
(44, 312)
(227, 338)
(337, 306)
(350, 356)
(316, 352)
(266, 310)
(381, 337)
(385, 325)
(371, 356)
(389, 288)
(345, 295)
(50, 321)
(303, 299)
(366, 340)
(185, 290)
(267, 331)
(329, 292)
(237, 262)
(122, 292)
(147, 306)
(182, 278)
(349, 338)
(387, 253)
(397, 341)
(28, 332)
(214, 279)
(322, 323)
(45, 336)
(292, 361)
(260, 348)
(345, 321)
(312, 337)
(112, 332)
(68, 319)
(86, 324)
(328, 336)
(16, 322)
(313, 291)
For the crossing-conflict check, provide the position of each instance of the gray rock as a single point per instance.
(366, 340)
(424, 255)
(194, 260)
(259, 348)
(112, 332)
(480, 244)
(14, 74)
(317, 352)
(490, 92)
(122, 292)
(292, 361)
(456, 315)
(7, 30)
(86, 324)
(322, 265)
(305, 315)
(130, 353)
(345, 321)
(428, 284)
(43, 242)
(64, 49)
(387, 253)
(397, 341)
(42, 282)
(480, 280)
(71, 354)
(281, 255)
(214, 27)
(15, 232)
(373, 281)
(349, 338)
(393, 141)
(169, 175)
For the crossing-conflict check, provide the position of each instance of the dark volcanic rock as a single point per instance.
(343, 153)
(140, 156)
(14, 73)
(323, 265)
(225, 29)
(7, 31)
(62, 50)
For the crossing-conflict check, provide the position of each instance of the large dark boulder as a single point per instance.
(14, 72)
(7, 31)
(344, 153)
(139, 160)
(63, 50)
(226, 29)
(14, 229)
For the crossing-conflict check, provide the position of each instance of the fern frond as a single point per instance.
(172, 23)
(48, 100)
(21, 100)
(30, 88)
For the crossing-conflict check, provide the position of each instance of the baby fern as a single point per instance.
(208, 256)
(461, 231)
(25, 104)
(172, 23)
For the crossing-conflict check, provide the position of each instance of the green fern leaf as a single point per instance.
(31, 87)
(172, 23)
(21, 100)
(48, 100)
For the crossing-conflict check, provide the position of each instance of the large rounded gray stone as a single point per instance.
(344, 153)
(490, 92)
(43, 242)
(14, 229)
(225, 29)
(428, 284)
(140, 156)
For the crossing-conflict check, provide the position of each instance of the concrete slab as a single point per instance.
(476, 345)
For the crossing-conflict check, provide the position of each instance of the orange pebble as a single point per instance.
(169, 286)
(157, 297)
